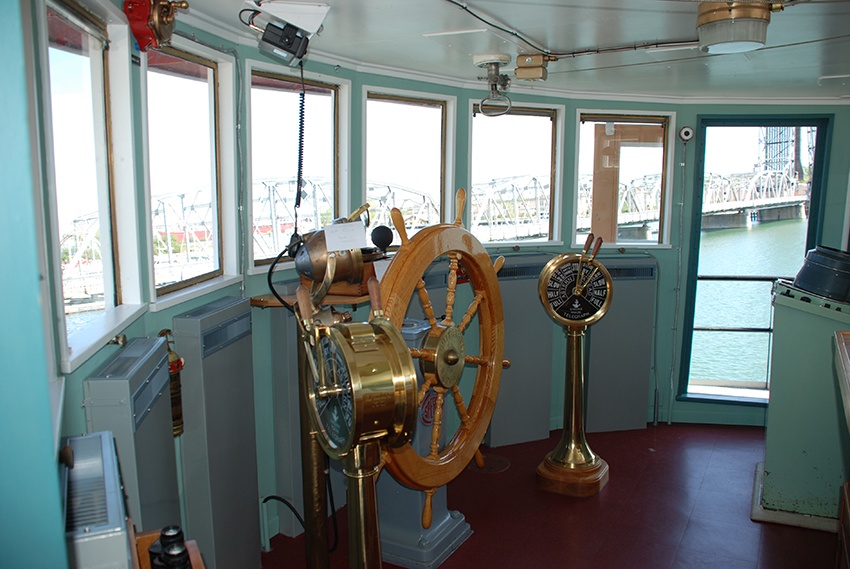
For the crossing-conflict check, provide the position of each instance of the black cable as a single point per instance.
(295, 241)
(301, 97)
(288, 505)
(550, 53)
(332, 504)
(271, 284)
(250, 22)
(514, 33)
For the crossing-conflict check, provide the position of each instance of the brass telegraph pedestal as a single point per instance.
(572, 468)
(576, 291)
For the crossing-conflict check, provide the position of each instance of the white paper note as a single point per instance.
(345, 236)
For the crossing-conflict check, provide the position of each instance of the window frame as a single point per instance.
(228, 203)
(164, 290)
(72, 351)
(449, 104)
(420, 100)
(337, 144)
(343, 151)
(668, 155)
(558, 117)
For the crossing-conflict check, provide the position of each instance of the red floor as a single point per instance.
(679, 496)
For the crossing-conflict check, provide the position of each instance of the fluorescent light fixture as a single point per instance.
(454, 33)
(843, 79)
(732, 27)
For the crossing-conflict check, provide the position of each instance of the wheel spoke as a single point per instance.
(425, 301)
(477, 360)
(479, 296)
(461, 407)
(465, 421)
(437, 427)
(470, 312)
(427, 355)
(427, 509)
(430, 379)
(452, 286)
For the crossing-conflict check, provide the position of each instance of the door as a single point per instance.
(758, 186)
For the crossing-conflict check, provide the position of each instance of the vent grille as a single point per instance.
(520, 272)
(226, 333)
(86, 486)
(622, 273)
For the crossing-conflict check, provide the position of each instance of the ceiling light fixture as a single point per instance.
(496, 103)
(733, 27)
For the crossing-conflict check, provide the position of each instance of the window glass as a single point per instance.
(80, 169)
(511, 194)
(183, 161)
(275, 121)
(405, 160)
(621, 178)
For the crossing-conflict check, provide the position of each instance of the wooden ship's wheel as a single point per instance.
(444, 354)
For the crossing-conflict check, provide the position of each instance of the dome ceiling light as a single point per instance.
(733, 27)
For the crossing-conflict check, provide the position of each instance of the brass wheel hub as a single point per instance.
(449, 353)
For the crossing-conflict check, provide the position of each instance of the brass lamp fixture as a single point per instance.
(733, 27)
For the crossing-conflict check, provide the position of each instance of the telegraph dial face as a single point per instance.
(333, 402)
(575, 291)
(361, 386)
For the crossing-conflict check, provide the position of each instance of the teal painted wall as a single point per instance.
(27, 411)
(32, 533)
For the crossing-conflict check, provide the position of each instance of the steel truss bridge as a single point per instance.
(640, 199)
(506, 209)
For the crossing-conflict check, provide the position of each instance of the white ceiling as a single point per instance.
(807, 43)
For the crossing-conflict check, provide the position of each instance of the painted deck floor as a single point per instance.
(679, 497)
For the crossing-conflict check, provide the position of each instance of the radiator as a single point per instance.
(218, 446)
(96, 526)
(130, 397)
(522, 408)
(618, 361)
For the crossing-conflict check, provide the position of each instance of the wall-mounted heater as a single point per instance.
(218, 446)
(96, 525)
(619, 349)
(129, 396)
(522, 408)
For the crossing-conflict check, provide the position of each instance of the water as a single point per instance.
(775, 249)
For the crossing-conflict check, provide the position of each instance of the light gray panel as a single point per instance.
(129, 396)
(218, 447)
(522, 407)
(618, 363)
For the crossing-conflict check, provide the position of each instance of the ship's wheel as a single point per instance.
(445, 354)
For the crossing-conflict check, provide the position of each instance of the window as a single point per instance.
(622, 178)
(76, 63)
(511, 197)
(405, 160)
(182, 103)
(275, 153)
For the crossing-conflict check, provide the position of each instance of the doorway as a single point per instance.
(757, 186)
